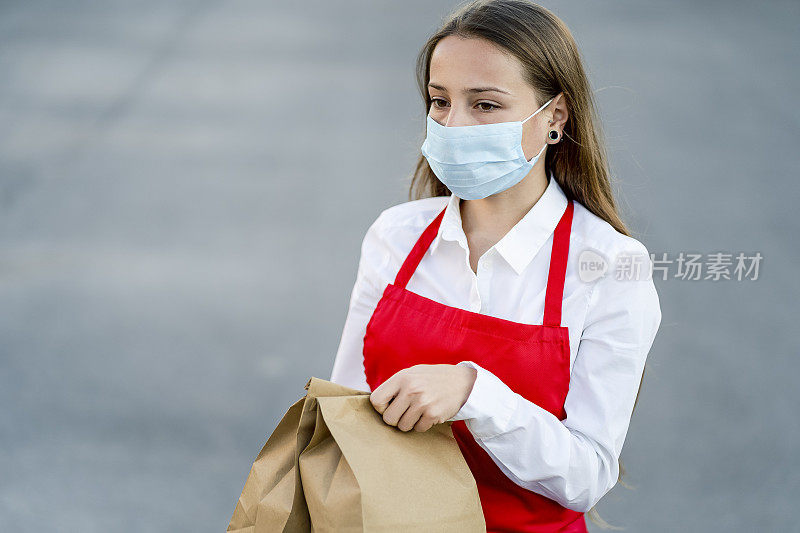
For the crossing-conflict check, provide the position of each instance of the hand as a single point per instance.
(423, 395)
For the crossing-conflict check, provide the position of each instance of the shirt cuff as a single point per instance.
(489, 406)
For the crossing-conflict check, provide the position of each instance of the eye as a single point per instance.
(436, 102)
(491, 106)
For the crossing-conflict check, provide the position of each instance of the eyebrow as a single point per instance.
(472, 90)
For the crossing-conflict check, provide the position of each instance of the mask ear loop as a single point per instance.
(545, 105)
(537, 156)
(545, 144)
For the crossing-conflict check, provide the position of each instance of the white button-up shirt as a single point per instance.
(612, 322)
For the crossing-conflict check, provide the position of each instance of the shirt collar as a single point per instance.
(523, 241)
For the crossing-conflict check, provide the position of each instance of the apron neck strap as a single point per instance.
(558, 269)
(418, 251)
(555, 276)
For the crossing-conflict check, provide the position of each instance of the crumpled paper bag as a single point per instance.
(333, 464)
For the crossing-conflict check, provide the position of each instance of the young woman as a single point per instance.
(501, 299)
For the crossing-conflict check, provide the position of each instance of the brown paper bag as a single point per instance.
(333, 464)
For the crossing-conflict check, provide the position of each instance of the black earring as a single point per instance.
(553, 134)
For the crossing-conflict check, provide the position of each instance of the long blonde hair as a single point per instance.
(551, 64)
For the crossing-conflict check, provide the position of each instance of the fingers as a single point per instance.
(425, 421)
(397, 409)
(416, 416)
(409, 418)
(393, 401)
(382, 396)
(400, 402)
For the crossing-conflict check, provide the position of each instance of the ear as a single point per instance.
(559, 110)
(558, 115)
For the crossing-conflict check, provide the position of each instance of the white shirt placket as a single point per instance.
(483, 280)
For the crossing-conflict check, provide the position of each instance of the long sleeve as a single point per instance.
(575, 461)
(348, 366)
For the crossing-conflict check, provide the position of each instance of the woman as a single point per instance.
(494, 299)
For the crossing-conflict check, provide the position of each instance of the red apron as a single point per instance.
(407, 329)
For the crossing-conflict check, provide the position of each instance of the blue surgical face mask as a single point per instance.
(480, 160)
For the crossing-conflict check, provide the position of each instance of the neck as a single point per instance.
(498, 213)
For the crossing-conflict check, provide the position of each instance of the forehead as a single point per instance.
(457, 62)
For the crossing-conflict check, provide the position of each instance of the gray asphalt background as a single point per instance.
(184, 187)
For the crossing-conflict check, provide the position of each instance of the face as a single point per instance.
(472, 81)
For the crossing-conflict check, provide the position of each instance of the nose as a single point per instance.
(457, 119)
